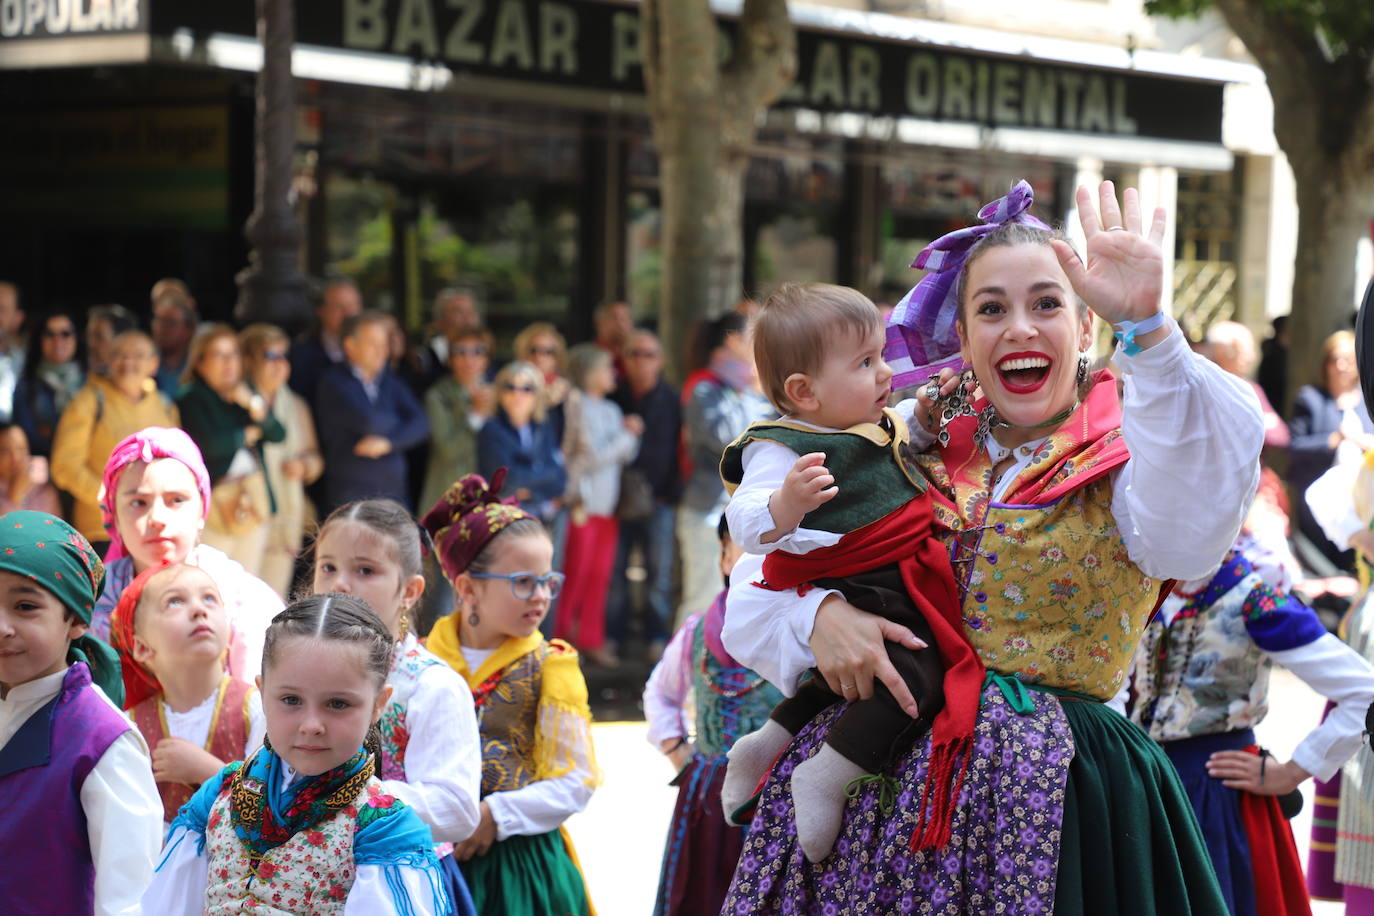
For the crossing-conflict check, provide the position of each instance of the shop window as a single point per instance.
(930, 192)
(516, 244)
(1205, 245)
(789, 244)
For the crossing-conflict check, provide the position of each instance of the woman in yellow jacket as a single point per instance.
(107, 409)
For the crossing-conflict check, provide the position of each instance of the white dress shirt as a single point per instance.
(443, 760)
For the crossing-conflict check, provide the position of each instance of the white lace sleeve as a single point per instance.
(444, 757)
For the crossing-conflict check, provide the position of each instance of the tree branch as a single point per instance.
(1294, 66)
(765, 58)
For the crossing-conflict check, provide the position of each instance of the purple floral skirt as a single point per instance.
(1002, 857)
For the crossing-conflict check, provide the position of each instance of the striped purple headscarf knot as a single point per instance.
(921, 334)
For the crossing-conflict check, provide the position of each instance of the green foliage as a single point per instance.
(1345, 27)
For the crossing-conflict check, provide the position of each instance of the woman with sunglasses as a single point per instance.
(52, 375)
(538, 767)
(521, 438)
(292, 464)
(542, 346)
(458, 405)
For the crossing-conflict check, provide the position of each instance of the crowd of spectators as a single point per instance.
(618, 463)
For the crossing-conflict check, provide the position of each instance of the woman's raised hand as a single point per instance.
(850, 647)
(1124, 274)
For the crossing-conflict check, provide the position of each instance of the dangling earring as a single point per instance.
(1083, 362)
(405, 625)
(473, 619)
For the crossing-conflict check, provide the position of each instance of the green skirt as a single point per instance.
(527, 876)
(1130, 835)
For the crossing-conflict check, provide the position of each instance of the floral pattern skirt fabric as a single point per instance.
(1036, 829)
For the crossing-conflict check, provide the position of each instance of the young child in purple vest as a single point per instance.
(83, 821)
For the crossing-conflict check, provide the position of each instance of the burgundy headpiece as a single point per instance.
(467, 517)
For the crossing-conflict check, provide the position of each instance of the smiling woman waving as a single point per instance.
(1064, 514)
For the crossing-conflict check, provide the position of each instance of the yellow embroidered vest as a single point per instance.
(1049, 592)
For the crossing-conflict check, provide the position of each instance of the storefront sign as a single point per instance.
(64, 18)
(144, 167)
(596, 45)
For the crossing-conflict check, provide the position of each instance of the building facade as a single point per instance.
(505, 144)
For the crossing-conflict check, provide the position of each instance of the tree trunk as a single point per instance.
(1329, 228)
(703, 117)
(703, 269)
(1324, 123)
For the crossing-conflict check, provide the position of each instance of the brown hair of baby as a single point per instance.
(799, 324)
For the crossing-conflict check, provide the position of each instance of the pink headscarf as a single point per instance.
(148, 445)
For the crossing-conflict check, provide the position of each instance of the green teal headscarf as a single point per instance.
(55, 555)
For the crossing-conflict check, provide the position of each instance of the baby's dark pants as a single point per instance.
(875, 733)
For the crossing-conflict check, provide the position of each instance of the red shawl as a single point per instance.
(905, 537)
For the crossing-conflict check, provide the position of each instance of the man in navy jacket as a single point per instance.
(367, 419)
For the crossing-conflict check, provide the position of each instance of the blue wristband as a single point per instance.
(1126, 331)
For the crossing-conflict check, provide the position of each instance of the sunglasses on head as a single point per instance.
(527, 389)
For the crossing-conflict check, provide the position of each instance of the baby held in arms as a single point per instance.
(830, 493)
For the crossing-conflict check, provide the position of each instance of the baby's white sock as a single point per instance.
(750, 758)
(818, 798)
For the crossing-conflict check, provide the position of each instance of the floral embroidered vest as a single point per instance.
(508, 723)
(1203, 674)
(1049, 593)
(310, 873)
(730, 702)
(229, 727)
(408, 664)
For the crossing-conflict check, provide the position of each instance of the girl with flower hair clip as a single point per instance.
(304, 826)
(538, 768)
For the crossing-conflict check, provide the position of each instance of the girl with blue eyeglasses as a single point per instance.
(538, 768)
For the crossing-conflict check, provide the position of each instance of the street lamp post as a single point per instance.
(271, 287)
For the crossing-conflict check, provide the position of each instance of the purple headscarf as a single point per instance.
(921, 334)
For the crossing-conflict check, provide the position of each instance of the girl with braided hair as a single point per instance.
(304, 825)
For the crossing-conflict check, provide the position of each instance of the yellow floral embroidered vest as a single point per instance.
(1051, 595)
(1049, 592)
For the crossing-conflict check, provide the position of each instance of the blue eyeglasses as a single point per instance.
(523, 584)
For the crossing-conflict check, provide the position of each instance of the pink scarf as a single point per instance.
(148, 445)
